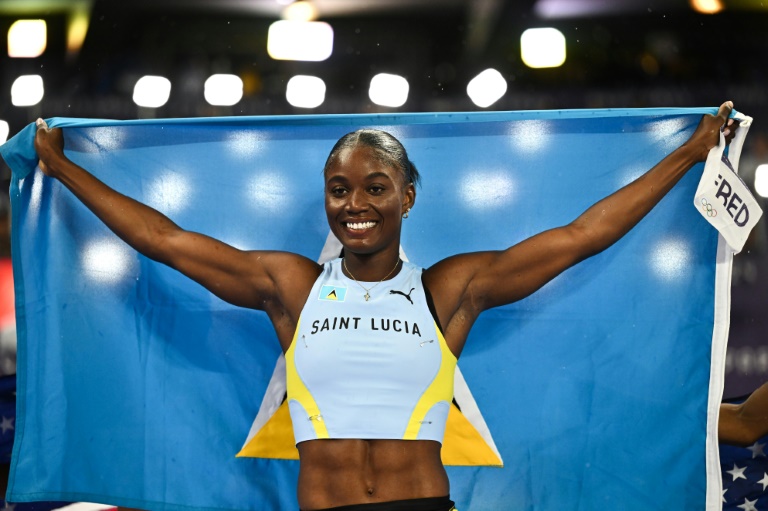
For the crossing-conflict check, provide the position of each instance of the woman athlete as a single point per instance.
(369, 188)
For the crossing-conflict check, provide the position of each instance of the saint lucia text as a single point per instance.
(356, 323)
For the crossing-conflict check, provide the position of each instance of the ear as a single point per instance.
(409, 198)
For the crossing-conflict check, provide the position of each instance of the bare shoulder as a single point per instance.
(289, 279)
(286, 269)
(448, 280)
(257, 279)
(455, 272)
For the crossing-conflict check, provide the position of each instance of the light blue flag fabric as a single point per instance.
(137, 386)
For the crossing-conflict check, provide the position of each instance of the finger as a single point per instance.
(725, 111)
(40, 123)
(730, 129)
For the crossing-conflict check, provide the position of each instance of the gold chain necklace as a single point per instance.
(367, 294)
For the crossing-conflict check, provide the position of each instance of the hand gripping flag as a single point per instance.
(722, 198)
(138, 387)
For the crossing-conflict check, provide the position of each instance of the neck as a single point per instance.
(371, 267)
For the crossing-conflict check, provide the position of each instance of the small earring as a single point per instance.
(405, 215)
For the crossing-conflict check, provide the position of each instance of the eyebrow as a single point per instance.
(378, 174)
(372, 175)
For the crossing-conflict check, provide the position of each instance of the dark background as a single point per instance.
(620, 54)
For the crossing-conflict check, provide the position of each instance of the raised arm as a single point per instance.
(478, 281)
(745, 423)
(270, 281)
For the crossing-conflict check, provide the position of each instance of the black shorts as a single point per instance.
(428, 504)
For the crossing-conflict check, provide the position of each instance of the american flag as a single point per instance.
(7, 417)
(745, 476)
(7, 430)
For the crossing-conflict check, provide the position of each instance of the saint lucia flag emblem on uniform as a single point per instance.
(333, 293)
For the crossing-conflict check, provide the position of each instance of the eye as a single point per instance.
(338, 191)
(376, 189)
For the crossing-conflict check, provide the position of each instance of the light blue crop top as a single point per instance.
(376, 369)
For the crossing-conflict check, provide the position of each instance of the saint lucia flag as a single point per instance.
(137, 387)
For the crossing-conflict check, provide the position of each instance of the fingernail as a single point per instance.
(726, 132)
(730, 121)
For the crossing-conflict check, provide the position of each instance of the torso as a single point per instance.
(336, 472)
(343, 472)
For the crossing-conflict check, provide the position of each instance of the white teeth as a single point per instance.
(360, 225)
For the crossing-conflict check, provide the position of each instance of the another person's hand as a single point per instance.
(49, 144)
(707, 134)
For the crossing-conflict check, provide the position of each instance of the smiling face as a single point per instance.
(365, 199)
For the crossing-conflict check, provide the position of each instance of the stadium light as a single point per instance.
(388, 90)
(761, 180)
(305, 91)
(300, 40)
(4, 131)
(542, 47)
(27, 39)
(152, 91)
(223, 89)
(77, 29)
(300, 11)
(486, 88)
(706, 6)
(27, 90)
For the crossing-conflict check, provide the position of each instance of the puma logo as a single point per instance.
(407, 296)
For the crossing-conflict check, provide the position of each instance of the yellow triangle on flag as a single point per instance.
(332, 296)
(463, 445)
(274, 440)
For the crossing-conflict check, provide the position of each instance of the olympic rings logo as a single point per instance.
(708, 209)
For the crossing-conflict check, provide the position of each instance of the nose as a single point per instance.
(357, 201)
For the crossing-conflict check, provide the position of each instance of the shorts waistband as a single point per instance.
(426, 504)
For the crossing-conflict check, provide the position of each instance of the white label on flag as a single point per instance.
(722, 198)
